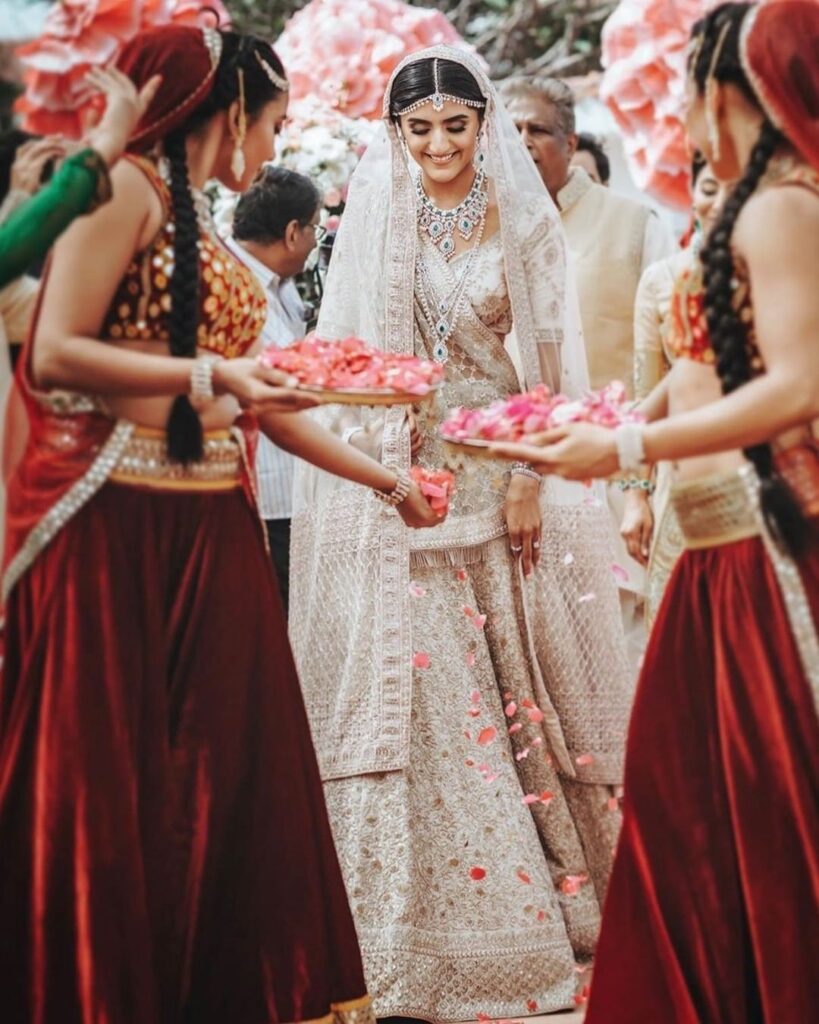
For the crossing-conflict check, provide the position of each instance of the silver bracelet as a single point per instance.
(398, 493)
(525, 469)
(201, 388)
(628, 438)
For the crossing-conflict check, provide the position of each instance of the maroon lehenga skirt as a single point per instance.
(165, 855)
(712, 914)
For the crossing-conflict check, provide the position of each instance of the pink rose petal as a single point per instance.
(487, 736)
(421, 660)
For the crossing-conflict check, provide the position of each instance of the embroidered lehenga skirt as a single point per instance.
(712, 914)
(166, 855)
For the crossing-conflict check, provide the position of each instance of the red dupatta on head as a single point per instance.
(779, 50)
(60, 447)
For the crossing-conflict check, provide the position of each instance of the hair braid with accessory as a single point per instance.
(243, 75)
(715, 57)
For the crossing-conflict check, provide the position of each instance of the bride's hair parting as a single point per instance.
(715, 53)
(416, 82)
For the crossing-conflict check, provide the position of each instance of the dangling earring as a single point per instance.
(479, 159)
(237, 160)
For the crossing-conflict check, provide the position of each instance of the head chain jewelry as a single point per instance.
(281, 83)
(438, 98)
(712, 127)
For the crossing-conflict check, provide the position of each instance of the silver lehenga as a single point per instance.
(470, 725)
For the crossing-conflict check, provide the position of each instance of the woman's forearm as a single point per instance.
(103, 369)
(300, 435)
(655, 404)
(755, 413)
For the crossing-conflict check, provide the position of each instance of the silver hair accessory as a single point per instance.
(281, 83)
(213, 44)
(438, 98)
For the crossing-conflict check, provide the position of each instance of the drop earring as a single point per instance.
(479, 159)
(237, 160)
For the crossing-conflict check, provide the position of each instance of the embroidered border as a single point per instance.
(79, 494)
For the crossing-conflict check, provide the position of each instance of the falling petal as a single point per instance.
(421, 660)
(416, 590)
(534, 715)
(569, 559)
(613, 803)
(586, 598)
(475, 697)
(537, 741)
(474, 712)
(531, 1005)
(530, 798)
(542, 915)
(522, 754)
(546, 797)
(477, 875)
(468, 612)
(584, 759)
(515, 728)
(487, 736)
(522, 875)
(470, 658)
(620, 574)
(461, 575)
(479, 621)
(511, 709)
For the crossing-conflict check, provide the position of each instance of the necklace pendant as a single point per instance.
(447, 246)
(440, 353)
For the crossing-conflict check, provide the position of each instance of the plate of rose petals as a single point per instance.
(348, 372)
(518, 417)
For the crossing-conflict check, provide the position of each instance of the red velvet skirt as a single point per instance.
(712, 915)
(164, 847)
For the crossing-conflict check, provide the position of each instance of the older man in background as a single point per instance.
(612, 239)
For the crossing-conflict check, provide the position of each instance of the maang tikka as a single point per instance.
(438, 98)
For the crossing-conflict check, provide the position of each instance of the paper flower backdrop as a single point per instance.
(79, 34)
(342, 52)
(644, 53)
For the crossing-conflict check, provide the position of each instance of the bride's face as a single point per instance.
(443, 142)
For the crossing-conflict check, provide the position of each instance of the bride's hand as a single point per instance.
(523, 520)
(258, 388)
(417, 512)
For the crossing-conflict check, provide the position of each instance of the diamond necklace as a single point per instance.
(440, 224)
(443, 312)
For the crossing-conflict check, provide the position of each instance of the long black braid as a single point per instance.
(729, 335)
(238, 53)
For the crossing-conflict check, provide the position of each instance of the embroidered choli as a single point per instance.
(232, 305)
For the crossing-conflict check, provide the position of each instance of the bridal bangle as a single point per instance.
(525, 469)
(628, 438)
(201, 388)
(398, 493)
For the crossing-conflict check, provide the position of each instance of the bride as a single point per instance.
(468, 691)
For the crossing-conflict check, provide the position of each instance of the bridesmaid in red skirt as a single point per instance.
(712, 915)
(166, 856)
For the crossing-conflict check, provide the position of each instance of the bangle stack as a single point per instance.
(636, 483)
(525, 469)
(628, 438)
(398, 493)
(201, 389)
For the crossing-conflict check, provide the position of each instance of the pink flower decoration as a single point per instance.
(344, 51)
(80, 34)
(350, 363)
(511, 419)
(421, 660)
(644, 54)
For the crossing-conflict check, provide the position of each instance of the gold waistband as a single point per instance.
(145, 463)
(718, 509)
(714, 510)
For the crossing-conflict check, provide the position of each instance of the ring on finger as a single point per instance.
(515, 550)
(536, 544)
